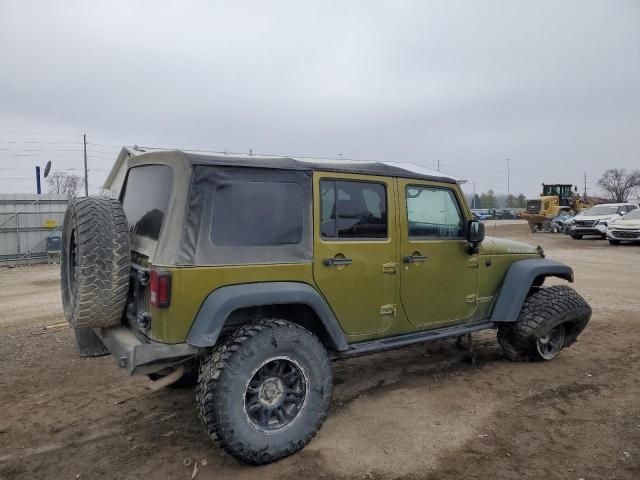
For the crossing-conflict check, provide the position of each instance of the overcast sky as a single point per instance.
(552, 85)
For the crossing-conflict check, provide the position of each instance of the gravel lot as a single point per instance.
(419, 412)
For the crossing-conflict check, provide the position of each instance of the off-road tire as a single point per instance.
(542, 311)
(223, 383)
(614, 242)
(95, 262)
(576, 236)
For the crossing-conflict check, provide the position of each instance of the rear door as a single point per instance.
(439, 278)
(355, 249)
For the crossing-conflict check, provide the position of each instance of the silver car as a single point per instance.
(596, 220)
(626, 229)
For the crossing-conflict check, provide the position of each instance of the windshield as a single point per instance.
(146, 198)
(633, 215)
(602, 210)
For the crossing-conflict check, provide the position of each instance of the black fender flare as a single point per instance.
(221, 302)
(517, 282)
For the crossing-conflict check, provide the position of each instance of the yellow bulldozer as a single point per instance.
(556, 199)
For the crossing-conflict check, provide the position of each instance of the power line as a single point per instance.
(18, 132)
(36, 142)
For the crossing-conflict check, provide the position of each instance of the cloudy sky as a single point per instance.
(552, 85)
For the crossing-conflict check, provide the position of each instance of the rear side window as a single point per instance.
(146, 199)
(257, 213)
(353, 209)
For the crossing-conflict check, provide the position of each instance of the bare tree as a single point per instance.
(56, 182)
(619, 184)
(69, 183)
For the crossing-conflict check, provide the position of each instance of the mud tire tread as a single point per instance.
(100, 230)
(211, 387)
(543, 310)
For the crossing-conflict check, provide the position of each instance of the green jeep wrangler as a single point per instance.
(249, 275)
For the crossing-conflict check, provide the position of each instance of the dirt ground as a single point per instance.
(419, 412)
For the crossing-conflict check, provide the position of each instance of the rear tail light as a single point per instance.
(160, 289)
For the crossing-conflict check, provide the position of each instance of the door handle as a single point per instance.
(334, 262)
(415, 258)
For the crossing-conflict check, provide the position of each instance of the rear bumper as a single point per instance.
(138, 357)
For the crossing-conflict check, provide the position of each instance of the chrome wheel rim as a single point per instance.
(276, 394)
(550, 345)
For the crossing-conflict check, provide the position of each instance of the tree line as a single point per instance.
(490, 199)
(617, 184)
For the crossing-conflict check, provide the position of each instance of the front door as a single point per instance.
(439, 278)
(355, 265)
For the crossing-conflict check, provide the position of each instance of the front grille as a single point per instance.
(585, 223)
(625, 234)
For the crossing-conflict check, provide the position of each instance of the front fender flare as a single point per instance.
(220, 303)
(518, 281)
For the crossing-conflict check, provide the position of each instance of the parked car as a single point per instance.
(249, 275)
(626, 229)
(561, 223)
(482, 213)
(595, 220)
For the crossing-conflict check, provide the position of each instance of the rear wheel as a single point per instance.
(551, 319)
(264, 392)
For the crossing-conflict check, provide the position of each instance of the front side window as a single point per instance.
(257, 213)
(351, 209)
(146, 198)
(433, 213)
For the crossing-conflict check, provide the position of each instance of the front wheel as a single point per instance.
(614, 242)
(576, 236)
(550, 320)
(264, 392)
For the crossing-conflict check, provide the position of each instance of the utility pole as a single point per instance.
(86, 175)
(585, 186)
(508, 178)
(438, 165)
(473, 199)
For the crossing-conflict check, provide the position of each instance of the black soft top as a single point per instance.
(389, 169)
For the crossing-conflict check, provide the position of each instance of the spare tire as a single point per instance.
(95, 262)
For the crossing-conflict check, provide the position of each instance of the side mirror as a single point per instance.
(475, 235)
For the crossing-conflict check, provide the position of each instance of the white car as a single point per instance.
(596, 220)
(627, 229)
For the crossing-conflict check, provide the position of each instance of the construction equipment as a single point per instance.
(555, 200)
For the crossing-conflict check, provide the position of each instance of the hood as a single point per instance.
(622, 224)
(595, 217)
(502, 246)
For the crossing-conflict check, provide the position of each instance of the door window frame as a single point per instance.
(459, 207)
(354, 239)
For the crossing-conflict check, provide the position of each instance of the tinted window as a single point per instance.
(433, 213)
(146, 199)
(353, 209)
(257, 213)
